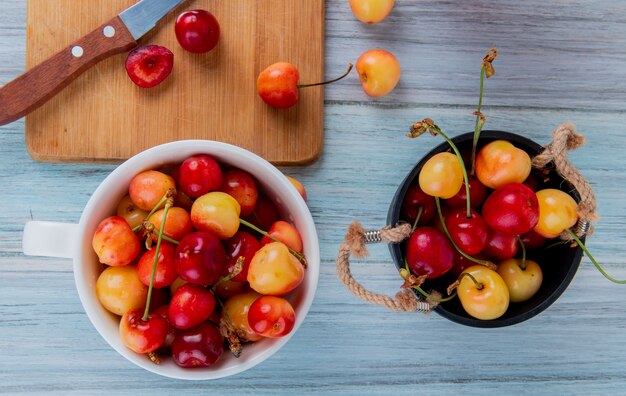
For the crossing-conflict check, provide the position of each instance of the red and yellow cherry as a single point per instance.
(371, 11)
(199, 175)
(478, 193)
(240, 185)
(271, 316)
(484, 295)
(177, 225)
(379, 72)
(265, 213)
(511, 209)
(143, 336)
(532, 240)
(441, 176)
(557, 212)
(114, 242)
(414, 199)
(242, 244)
(216, 212)
(236, 310)
(500, 245)
(299, 186)
(119, 290)
(190, 306)
(147, 188)
(286, 233)
(278, 84)
(500, 163)
(200, 346)
(197, 31)
(523, 283)
(468, 233)
(428, 252)
(274, 270)
(200, 258)
(165, 272)
(131, 213)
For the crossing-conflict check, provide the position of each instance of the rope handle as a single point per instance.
(564, 139)
(354, 244)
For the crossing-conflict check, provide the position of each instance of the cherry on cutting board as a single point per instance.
(197, 31)
(148, 66)
(278, 84)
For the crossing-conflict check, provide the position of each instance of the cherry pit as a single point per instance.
(185, 271)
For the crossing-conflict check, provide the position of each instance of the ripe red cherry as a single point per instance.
(478, 192)
(265, 213)
(469, 233)
(532, 240)
(163, 311)
(200, 258)
(242, 244)
(461, 263)
(512, 209)
(143, 336)
(199, 175)
(500, 245)
(166, 268)
(413, 200)
(148, 66)
(197, 31)
(201, 346)
(278, 84)
(428, 252)
(240, 185)
(190, 306)
(271, 316)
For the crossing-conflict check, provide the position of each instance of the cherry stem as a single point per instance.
(521, 243)
(479, 122)
(423, 292)
(478, 285)
(486, 263)
(593, 260)
(435, 299)
(458, 155)
(417, 218)
(350, 66)
(300, 256)
(236, 270)
(559, 243)
(168, 203)
(154, 209)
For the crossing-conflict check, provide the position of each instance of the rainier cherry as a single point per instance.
(371, 11)
(278, 84)
(483, 293)
(441, 176)
(271, 316)
(522, 278)
(177, 225)
(143, 336)
(500, 163)
(285, 233)
(236, 310)
(557, 212)
(131, 213)
(274, 270)
(379, 71)
(148, 188)
(299, 186)
(216, 212)
(114, 242)
(119, 289)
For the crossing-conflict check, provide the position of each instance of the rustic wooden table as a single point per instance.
(562, 60)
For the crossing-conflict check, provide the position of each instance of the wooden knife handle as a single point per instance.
(33, 88)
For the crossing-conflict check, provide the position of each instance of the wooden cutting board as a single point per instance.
(104, 117)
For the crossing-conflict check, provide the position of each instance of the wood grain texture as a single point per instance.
(36, 86)
(103, 116)
(576, 347)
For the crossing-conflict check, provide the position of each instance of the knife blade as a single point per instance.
(33, 88)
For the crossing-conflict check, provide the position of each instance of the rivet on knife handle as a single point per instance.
(33, 88)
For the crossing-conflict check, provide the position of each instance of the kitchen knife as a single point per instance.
(33, 88)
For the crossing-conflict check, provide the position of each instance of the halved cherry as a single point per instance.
(148, 66)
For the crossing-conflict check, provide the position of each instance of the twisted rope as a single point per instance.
(564, 139)
(354, 244)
